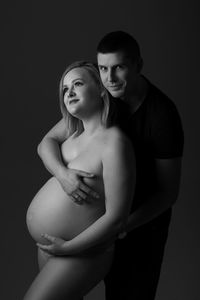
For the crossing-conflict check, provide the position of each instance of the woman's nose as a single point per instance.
(70, 92)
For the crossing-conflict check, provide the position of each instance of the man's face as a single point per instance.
(118, 74)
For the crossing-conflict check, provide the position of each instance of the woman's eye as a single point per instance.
(65, 89)
(78, 83)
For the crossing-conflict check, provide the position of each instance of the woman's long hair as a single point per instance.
(73, 124)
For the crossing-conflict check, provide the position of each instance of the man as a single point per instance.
(155, 129)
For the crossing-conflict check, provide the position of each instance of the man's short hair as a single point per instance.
(120, 41)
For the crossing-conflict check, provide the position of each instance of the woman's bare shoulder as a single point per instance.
(117, 153)
(114, 138)
(114, 134)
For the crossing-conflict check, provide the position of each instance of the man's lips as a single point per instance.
(115, 87)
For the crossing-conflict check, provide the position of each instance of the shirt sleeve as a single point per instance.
(166, 131)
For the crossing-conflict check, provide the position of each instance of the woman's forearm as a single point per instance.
(100, 232)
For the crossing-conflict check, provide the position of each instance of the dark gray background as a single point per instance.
(38, 39)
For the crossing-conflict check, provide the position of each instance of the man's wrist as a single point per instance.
(131, 224)
(122, 235)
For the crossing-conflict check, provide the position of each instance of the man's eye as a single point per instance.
(103, 69)
(119, 67)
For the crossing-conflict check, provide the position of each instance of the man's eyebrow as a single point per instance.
(114, 66)
(100, 66)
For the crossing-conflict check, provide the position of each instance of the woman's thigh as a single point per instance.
(69, 278)
(43, 258)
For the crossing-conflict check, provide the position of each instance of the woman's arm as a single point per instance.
(70, 180)
(118, 158)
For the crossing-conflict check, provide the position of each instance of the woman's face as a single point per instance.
(82, 94)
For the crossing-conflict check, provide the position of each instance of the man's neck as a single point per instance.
(135, 99)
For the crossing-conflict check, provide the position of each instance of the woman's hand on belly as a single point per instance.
(56, 247)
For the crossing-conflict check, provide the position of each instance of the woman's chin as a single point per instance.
(76, 113)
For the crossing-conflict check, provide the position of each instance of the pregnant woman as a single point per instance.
(76, 242)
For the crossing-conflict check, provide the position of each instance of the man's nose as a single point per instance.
(111, 76)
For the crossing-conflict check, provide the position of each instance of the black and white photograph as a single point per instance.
(100, 150)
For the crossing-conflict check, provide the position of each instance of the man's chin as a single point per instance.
(117, 94)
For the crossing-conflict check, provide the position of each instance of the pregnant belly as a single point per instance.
(53, 212)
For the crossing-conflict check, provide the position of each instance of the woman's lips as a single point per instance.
(72, 101)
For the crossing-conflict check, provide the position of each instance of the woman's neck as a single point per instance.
(92, 125)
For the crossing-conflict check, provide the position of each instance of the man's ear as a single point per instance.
(102, 94)
(140, 65)
(103, 91)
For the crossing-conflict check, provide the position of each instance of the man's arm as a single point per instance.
(168, 181)
(49, 148)
(70, 179)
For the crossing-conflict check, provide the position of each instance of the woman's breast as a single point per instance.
(52, 211)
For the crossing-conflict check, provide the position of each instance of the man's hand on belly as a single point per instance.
(72, 183)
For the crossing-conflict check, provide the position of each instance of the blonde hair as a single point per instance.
(72, 123)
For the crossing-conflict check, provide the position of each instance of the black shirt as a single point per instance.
(156, 132)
